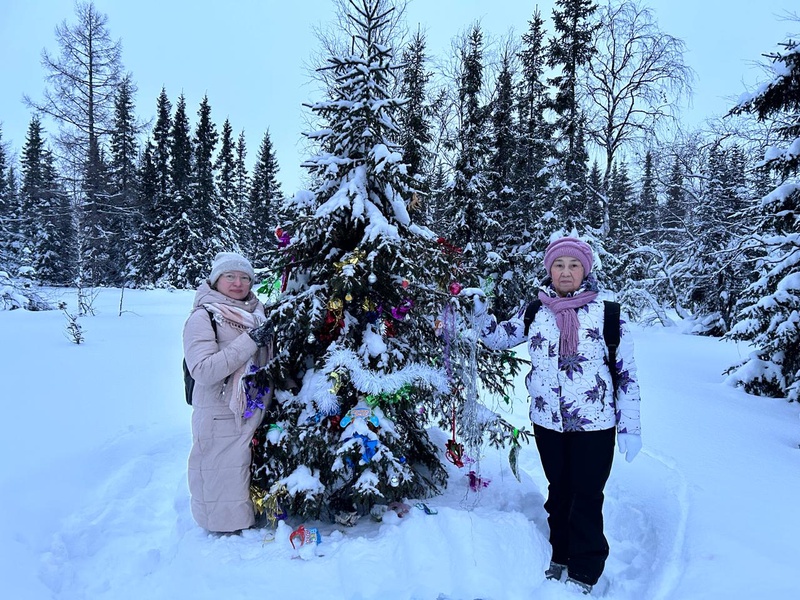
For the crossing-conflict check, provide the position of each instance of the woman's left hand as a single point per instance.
(629, 444)
(262, 335)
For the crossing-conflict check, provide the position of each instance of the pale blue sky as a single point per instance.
(249, 56)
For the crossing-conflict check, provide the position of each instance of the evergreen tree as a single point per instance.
(621, 200)
(673, 219)
(4, 185)
(714, 282)
(7, 213)
(241, 194)
(265, 194)
(162, 140)
(597, 195)
(44, 212)
(536, 146)
(504, 139)
(154, 201)
(414, 122)
(503, 197)
(623, 221)
(465, 210)
(225, 166)
(123, 219)
(570, 49)
(363, 285)
(771, 306)
(530, 208)
(175, 262)
(212, 223)
(648, 196)
(144, 255)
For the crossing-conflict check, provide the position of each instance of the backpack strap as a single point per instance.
(611, 323)
(213, 322)
(530, 313)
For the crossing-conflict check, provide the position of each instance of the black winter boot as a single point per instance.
(555, 571)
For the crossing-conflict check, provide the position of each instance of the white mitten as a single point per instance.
(629, 444)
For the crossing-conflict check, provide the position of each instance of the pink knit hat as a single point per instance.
(572, 247)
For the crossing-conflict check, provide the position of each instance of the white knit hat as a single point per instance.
(225, 262)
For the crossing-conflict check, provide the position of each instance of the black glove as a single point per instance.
(262, 335)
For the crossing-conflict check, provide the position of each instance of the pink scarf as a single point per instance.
(567, 318)
(244, 321)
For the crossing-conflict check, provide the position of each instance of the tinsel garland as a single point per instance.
(371, 382)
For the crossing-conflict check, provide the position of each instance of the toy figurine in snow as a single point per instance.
(305, 535)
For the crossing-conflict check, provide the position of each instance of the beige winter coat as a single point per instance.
(219, 462)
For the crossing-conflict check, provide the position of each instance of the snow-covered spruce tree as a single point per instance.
(571, 47)
(714, 271)
(503, 197)
(770, 317)
(465, 211)
(531, 209)
(200, 225)
(45, 215)
(225, 166)
(361, 372)
(123, 182)
(414, 121)
(141, 272)
(638, 254)
(241, 191)
(213, 219)
(152, 199)
(9, 228)
(265, 195)
(173, 231)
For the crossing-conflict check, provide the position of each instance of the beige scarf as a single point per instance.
(243, 321)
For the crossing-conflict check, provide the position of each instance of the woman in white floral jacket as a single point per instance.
(574, 411)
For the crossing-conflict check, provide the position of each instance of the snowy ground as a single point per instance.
(95, 503)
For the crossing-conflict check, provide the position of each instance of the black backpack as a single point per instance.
(188, 380)
(610, 332)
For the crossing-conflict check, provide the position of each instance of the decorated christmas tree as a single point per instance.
(372, 314)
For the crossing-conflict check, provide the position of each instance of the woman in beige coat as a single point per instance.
(227, 406)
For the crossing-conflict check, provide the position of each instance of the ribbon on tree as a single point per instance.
(283, 242)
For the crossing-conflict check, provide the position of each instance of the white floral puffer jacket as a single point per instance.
(573, 393)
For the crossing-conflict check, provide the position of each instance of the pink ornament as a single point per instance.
(455, 288)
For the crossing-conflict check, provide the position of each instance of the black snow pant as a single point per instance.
(577, 465)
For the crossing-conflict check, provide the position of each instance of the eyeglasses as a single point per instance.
(231, 277)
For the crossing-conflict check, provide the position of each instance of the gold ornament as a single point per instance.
(355, 257)
(268, 503)
(337, 382)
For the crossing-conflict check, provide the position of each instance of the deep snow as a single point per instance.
(95, 503)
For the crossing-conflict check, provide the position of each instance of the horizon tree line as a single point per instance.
(500, 141)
